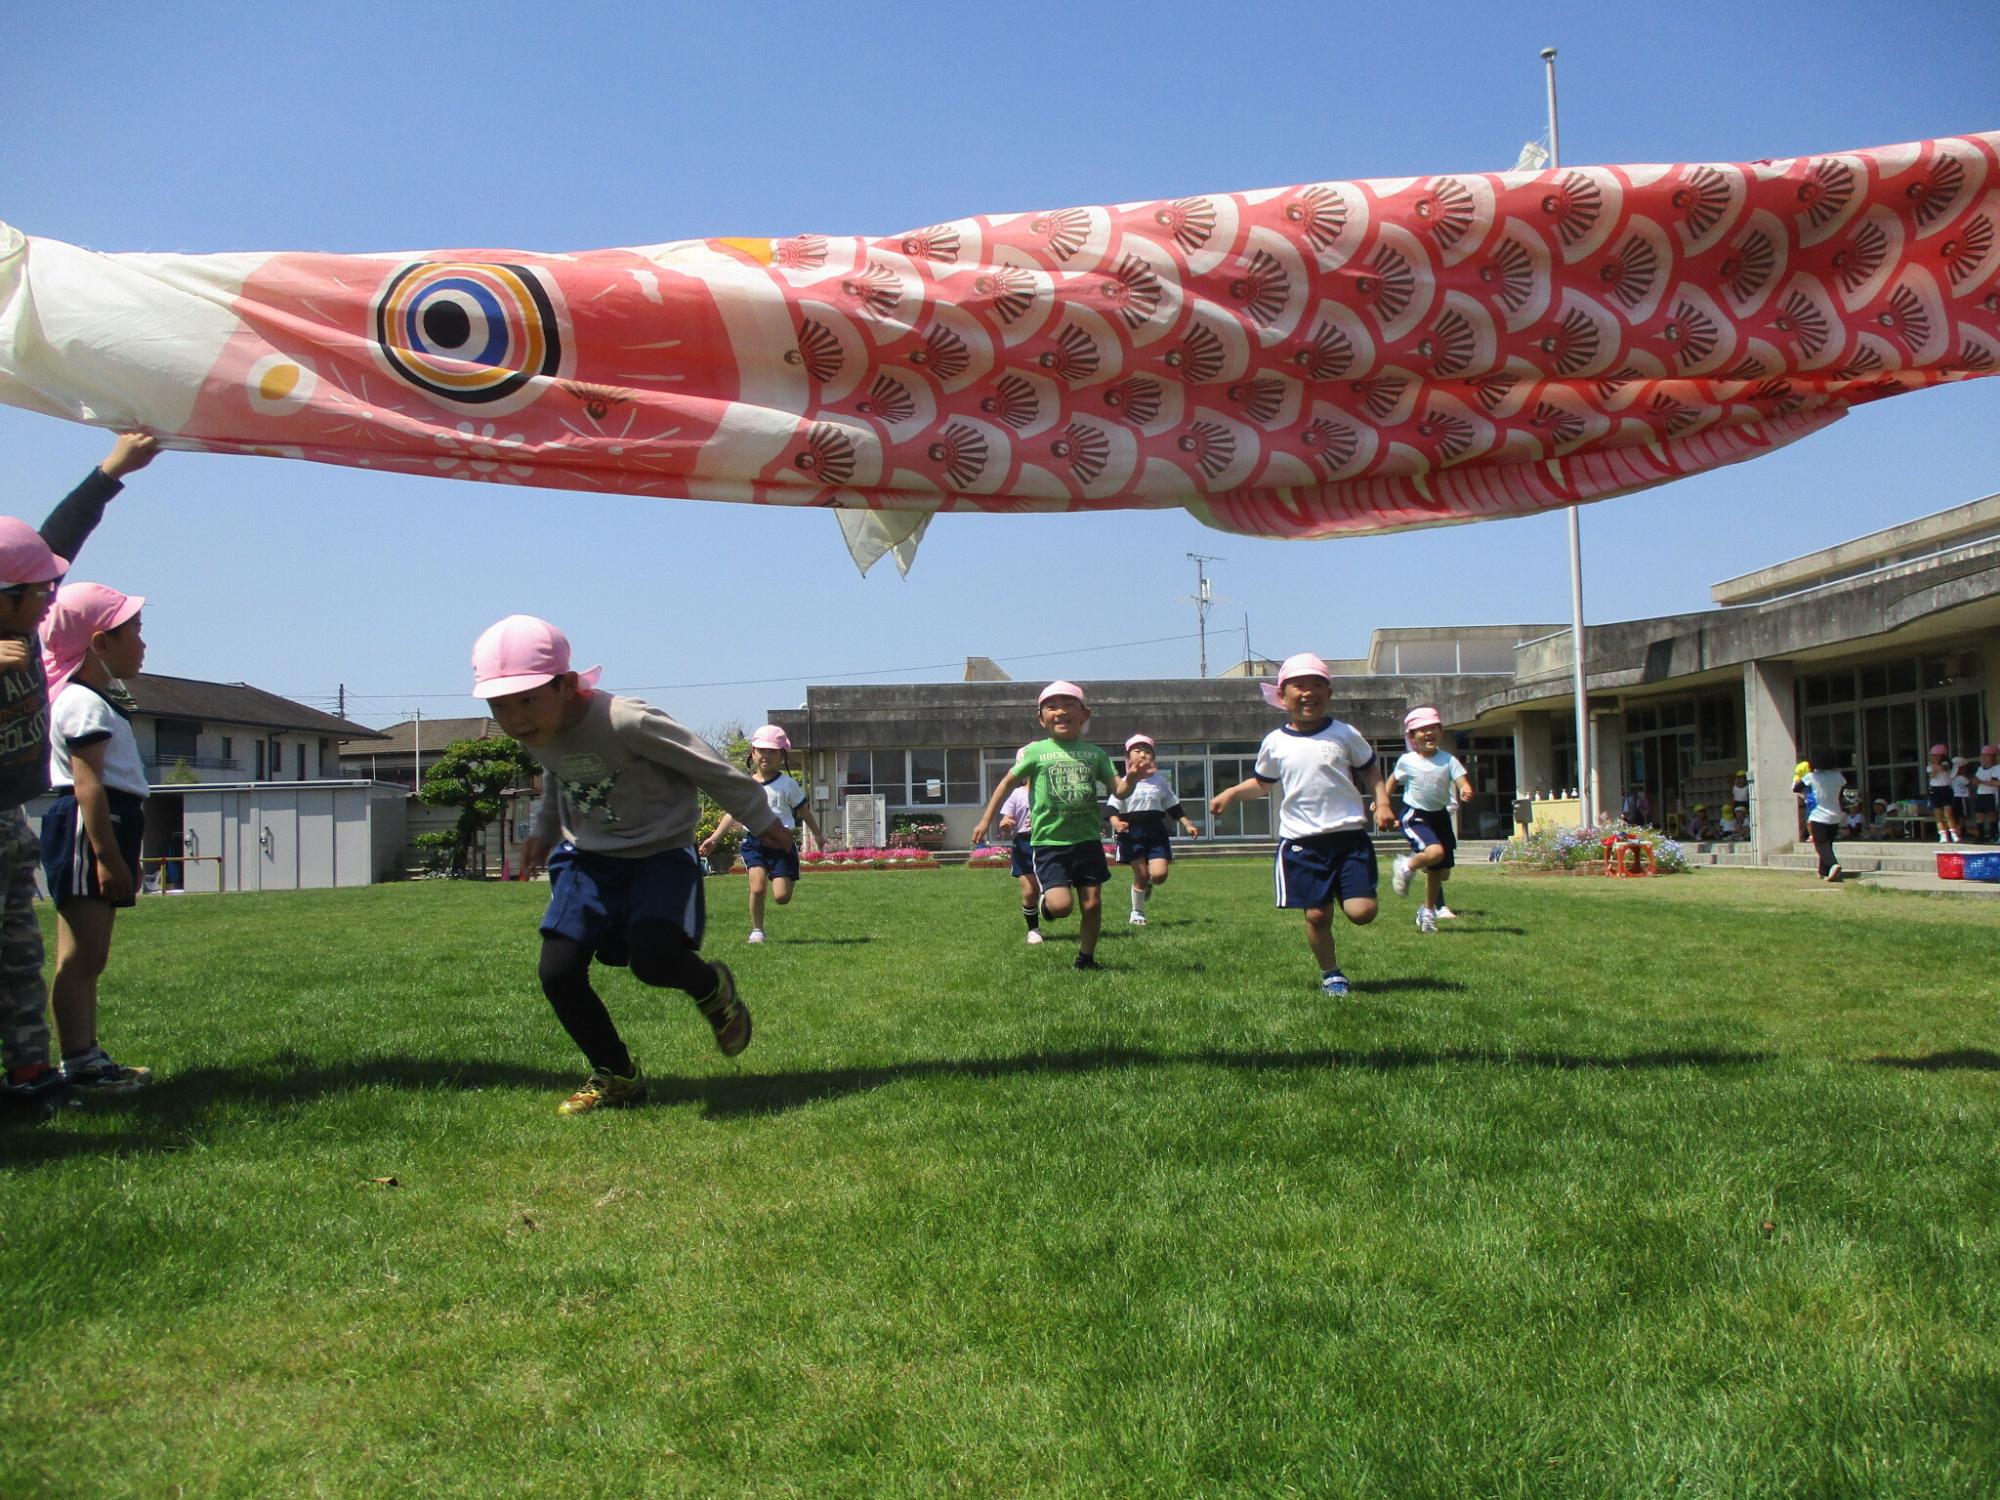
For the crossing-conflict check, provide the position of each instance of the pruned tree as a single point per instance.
(471, 775)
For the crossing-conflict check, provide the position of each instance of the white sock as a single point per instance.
(1139, 900)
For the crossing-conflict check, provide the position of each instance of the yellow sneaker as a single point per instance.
(606, 1090)
(727, 1015)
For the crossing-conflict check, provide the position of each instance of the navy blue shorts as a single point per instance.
(1423, 828)
(1024, 855)
(595, 899)
(68, 862)
(779, 864)
(1071, 864)
(1137, 844)
(1942, 796)
(1325, 868)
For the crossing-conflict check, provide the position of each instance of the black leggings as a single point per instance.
(661, 956)
(1822, 837)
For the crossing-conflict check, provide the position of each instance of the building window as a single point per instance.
(855, 772)
(229, 750)
(175, 739)
(944, 778)
(302, 762)
(260, 761)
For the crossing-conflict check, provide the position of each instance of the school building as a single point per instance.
(1877, 648)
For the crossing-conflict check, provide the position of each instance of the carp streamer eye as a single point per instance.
(468, 332)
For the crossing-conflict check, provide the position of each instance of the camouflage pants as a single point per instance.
(24, 999)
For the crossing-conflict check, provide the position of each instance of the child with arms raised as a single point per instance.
(625, 885)
(1065, 776)
(772, 869)
(1427, 777)
(1323, 772)
(1143, 823)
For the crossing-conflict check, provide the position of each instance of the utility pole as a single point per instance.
(417, 753)
(1204, 596)
(343, 700)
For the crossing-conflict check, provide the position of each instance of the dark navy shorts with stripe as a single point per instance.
(779, 864)
(1325, 868)
(1071, 864)
(1024, 855)
(68, 862)
(596, 899)
(1423, 828)
(1145, 839)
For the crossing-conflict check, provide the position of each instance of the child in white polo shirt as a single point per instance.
(1427, 776)
(1324, 772)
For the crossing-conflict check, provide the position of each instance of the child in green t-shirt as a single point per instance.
(1065, 819)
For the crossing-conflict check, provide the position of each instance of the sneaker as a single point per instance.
(1088, 962)
(1334, 984)
(1034, 938)
(1444, 914)
(729, 1016)
(35, 1091)
(1399, 879)
(1833, 876)
(1138, 919)
(605, 1090)
(94, 1072)
(1426, 919)
(756, 935)
(1941, 838)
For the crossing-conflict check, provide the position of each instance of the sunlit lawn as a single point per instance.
(1611, 1188)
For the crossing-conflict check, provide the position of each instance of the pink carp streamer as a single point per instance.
(1329, 359)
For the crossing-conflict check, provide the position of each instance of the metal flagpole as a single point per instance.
(1586, 768)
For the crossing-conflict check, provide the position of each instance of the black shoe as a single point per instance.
(1088, 961)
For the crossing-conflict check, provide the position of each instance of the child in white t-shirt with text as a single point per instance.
(1427, 776)
(774, 870)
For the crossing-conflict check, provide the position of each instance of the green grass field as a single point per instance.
(1684, 1186)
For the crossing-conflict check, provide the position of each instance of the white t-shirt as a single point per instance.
(82, 716)
(1826, 787)
(1428, 780)
(786, 797)
(1940, 777)
(1314, 773)
(1153, 794)
(1017, 807)
(1988, 778)
(1961, 786)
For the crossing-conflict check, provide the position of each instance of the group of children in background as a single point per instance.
(1964, 794)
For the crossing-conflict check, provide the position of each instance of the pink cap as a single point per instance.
(770, 737)
(1420, 718)
(1060, 690)
(80, 611)
(1299, 664)
(1140, 739)
(25, 557)
(519, 653)
(1940, 749)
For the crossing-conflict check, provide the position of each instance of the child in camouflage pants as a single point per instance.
(31, 564)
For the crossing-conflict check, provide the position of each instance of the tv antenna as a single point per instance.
(1204, 599)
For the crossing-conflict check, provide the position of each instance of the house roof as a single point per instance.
(437, 733)
(233, 703)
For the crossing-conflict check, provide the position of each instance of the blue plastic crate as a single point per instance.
(1982, 867)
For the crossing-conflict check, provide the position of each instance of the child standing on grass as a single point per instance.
(92, 832)
(1143, 823)
(1427, 776)
(625, 886)
(771, 869)
(1323, 772)
(1821, 786)
(1014, 819)
(31, 563)
(1944, 801)
(1065, 777)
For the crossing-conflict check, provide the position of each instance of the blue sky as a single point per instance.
(368, 127)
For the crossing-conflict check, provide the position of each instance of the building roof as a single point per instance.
(234, 703)
(431, 734)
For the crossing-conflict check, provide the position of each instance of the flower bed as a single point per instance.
(901, 857)
(1580, 851)
(991, 857)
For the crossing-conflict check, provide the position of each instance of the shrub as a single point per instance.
(1573, 848)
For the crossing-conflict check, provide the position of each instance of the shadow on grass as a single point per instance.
(819, 942)
(1976, 1059)
(1426, 982)
(176, 1112)
(1482, 931)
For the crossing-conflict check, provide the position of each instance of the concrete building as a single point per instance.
(1873, 649)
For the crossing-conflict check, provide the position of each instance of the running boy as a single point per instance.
(771, 869)
(93, 830)
(1143, 823)
(619, 782)
(30, 566)
(1065, 776)
(1322, 770)
(1427, 777)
